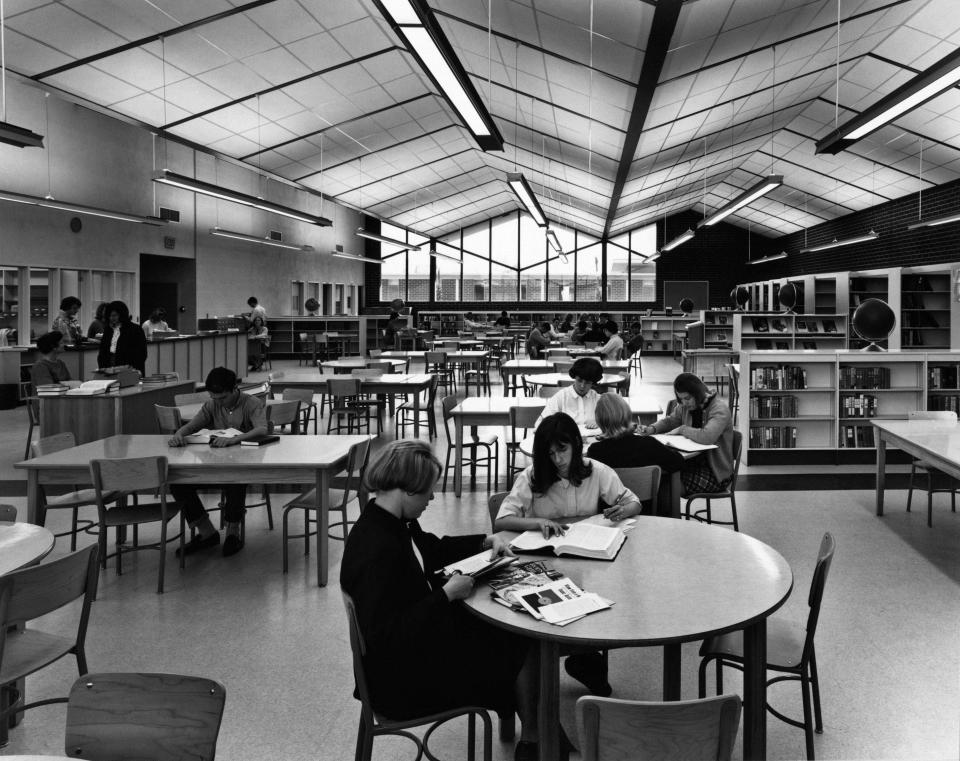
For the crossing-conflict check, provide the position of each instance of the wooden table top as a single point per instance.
(940, 439)
(495, 405)
(673, 581)
(21, 544)
(358, 363)
(115, 392)
(477, 354)
(564, 379)
(534, 364)
(311, 378)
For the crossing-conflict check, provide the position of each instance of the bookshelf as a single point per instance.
(358, 333)
(825, 295)
(658, 332)
(865, 286)
(718, 328)
(925, 311)
(780, 331)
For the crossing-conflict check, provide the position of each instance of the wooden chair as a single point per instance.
(937, 480)
(635, 363)
(374, 725)
(309, 408)
(493, 506)
(169, 420)
(471, 448)
(521, 418)
(704, 515)
(734, 376)
(281, 414)
(194, 397)
(428, 415)
(29, 594)
(8, 514)
(344, 393)
(120, 478)
(163, 717)
(73, 499)
(790, 651)
(308, 349)
(479, 375)
(645, 483)
(435, 362)
(682, 730)
(33, 418)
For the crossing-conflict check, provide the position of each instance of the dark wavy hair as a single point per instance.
(69, 302)
(557, 429)
(49, 341)
(587, 368)
(220, 380)
(688, 383)
(122, 310)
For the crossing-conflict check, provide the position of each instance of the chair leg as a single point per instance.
(508, 725)
(815, 685)
(73, 530)
(364, 742)
(163, 555)
(733, 509)
(283, 524)
(929, 503)
(719, 676)
(702, 678)
(471, 737)
(807, 719)
(266, 498)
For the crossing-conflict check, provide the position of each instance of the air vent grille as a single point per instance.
(171, 215)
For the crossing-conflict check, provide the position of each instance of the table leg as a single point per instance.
(416, 415)
(35, 512)
(548, 707)
(458, 455)
(323, 525)
(755, 691)
(671, 671)
(675, 490)
(881, 469)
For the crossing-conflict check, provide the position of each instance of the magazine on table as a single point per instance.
(535, 588)
(586, 539)
(205, 435)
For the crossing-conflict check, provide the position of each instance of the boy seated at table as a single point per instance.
(579, 400)
(228, 408)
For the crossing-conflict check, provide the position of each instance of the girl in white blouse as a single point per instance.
(562, 485)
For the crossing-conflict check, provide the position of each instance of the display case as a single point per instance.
(782, 331)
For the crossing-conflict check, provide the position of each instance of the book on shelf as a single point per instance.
(722, 319)
(944, 376)
(864, 377)
(779, 326)
(584, 539)
(782, 378)
(862, 405)
(259, 441)
(205, 435)
(92, 388)
(783, 345)
(760, 324)
(773, 437)
(857, 436)
(772, 406)
(681, 443)
(829, 326)
(812, 326)
(801, 325)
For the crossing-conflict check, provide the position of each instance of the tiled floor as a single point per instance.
(887, 642)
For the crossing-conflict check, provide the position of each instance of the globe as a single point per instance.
(686, 305)
(740, 297)
(789, 296)
(312, 305)
(873, 321)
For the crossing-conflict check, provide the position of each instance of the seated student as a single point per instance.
(123, 341)
(99, 322)
(614, 345)
(567, 325)
(635, 341)
(258, 332)
(619, 448)
(66, 322)
(594, 334)
(394, 324)
(155, 322)
(701, 416)
(561, 485)
(256, 309)
(579, 401)
(503, 320)
(228, 408)
(537, 340)
(425, 653)
(472, 322)
(49, 368)
(578, 333)
(551, 334)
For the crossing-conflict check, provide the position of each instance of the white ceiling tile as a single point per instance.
(286, 21)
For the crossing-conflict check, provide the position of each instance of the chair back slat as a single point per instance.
(493, 505)
(343, 386)
(283, 413)
(169, 419)
(828, 546)
(42, 589)
(524, 417)
(386, 367)
(644, 482)
(163, 717)
(737, 452)
(8, 514)
(358, 649)
(195, 397)
(50, 444)
(303, 395)
(132, 474)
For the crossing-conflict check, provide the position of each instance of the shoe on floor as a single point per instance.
(199, 543)
(232, 545)
(587, 668)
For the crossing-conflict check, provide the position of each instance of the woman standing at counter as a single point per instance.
(123, 340)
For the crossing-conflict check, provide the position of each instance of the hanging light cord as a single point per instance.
(3, 64)
(836, 97)
(920, 195)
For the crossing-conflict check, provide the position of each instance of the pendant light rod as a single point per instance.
(77, 208)
(744, 199)
(770, 258)
(678, 241)
(355, 257)
(934, 222)
(389, 241)
(220, 233)
(837, 243)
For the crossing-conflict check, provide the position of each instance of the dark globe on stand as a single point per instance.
(312, 305)
(789, 296)
(873, 321)
(740, 297)
(686, 305)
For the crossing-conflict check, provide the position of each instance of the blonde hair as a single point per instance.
(407, 465)
(614, 416)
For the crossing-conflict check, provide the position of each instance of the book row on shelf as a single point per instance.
(773, 407)
(862, 405)
(857, 437)
(941, 402)
(943, 377)
(781, 378)
(773, 437)
(864, 377)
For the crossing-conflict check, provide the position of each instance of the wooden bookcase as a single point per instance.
(925, 311)
(779, 331)
(718, 328)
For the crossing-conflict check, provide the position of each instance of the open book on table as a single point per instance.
(586, 539)
(478, 565)
(204, 435)
(682, 443)
(92, 387)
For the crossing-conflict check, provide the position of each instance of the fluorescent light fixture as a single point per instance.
(744, 199)
(77, 208)
(354, 257)
(934, 222)
(19, 137)
(653, 257)
(254, 239)
(943, 75)
(837, 243)
(771, 258)
(167, 177)
(679, 240)
(435, 253)
(521, 188)
(414, 22)
(389, 241)
(554, 241)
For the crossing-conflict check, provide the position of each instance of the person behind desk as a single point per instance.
(256, 309)
(99, 323)
(578, 334)
(258, 332)
(155, 322)
(579, 401)
(228, 408)
(562, 485)
(703, 417)
(66, 323)
(537, 340)
(394, 324)
(503, 320)
(123, 341)
(49, 368)
(425, 653)
(614, 345)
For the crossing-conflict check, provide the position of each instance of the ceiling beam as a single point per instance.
(661, 33)
(152, 38)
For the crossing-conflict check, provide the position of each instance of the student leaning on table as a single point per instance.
(228, 408)
(425, 653)
(579, 401)
(703, 417)
(562, 485)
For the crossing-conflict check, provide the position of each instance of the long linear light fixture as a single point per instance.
(770, 258)
(747, 197)
(220, 233)
(934, 222)
(166, 177)
(943, 75)
(679, 240)
(77, 208)
(354, 257)
(414, 22)
(521, 188)
(837, 243)
(389, 241)
(434, 253)
(19, 137)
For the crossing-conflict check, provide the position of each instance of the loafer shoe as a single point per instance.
(199, 543)
(232, 545)
(587, 668)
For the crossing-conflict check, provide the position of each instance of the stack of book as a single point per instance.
(864, 377)
(863, 405)
(158, 379)
(92, 388)
(784, 377)
(546, 594)
(51, 389)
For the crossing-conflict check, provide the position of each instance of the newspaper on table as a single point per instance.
(543, 592)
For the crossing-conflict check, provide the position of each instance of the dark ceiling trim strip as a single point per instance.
(152, 38)
(338, 125)
(661, 32)
(288, 83)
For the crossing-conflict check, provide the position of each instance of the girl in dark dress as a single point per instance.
(123, 341)
(425, 653)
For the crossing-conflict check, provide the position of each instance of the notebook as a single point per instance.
(258, 441)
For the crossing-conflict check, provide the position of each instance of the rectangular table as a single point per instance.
(936, 441)
(302, 460)
(495, 411)
(514, 367)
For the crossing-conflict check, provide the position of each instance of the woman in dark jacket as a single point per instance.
(123, 342)
(425, 653)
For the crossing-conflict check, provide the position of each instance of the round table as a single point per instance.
(22, 544)
(358, 363)
(564, 379)
(673, 582)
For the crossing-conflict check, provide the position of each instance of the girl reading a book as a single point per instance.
(703, 417)
(49, 369)
(425, 653)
